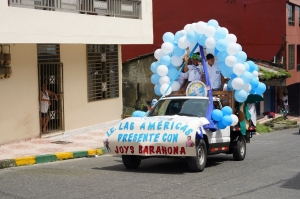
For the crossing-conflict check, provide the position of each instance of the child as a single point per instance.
(189, 142)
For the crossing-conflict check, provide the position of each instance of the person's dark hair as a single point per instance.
(209, 56)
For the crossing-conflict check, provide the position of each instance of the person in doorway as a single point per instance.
(216, 80)
(45, 103)
(285, 101)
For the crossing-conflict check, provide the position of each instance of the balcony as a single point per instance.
(110, 8)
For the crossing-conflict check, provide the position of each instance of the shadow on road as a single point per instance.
(164, 165)
(293, 183)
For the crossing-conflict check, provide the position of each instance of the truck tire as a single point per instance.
(239, 150)
(131, 161)
(198, 163)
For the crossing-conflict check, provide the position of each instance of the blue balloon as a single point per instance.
(252, 91)
(168, 37)
(261, 88)
(229, 85)
(247, 66)
(227, 120)
(241, 57)
(216, 51)
(247, 77)
(233, 76)
(220, 125)
(177, 36)
(213, 23)
(255, 67)
(155, 78)
(227, 71)
(222, 56)
(165, 60)
(178, 51)
(201, 40)
(251, 66)
(254, 83)
(226, 110)
(157, 90)
(192, 36)
(221, 45)
(138, 114)
(154, 66)
(172, 73)
(217, 115)
(240, 95)
(220, 34)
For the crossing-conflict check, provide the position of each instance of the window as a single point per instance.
(291, 14)
(102, 72)
(291, 57)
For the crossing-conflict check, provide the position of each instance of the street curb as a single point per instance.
(40, 159)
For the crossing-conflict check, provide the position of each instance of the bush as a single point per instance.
(261, 128)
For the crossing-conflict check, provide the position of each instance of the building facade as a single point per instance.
(74, 47)
(267, 30)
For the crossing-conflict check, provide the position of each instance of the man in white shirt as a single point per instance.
(214, 73)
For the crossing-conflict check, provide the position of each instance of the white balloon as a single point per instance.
(162, 70)
(239, 69)
(209, 31)
(164, 80)
(176, 61)
(183, 32)
(175, 86)
(226, 30)
(231, 38)
(210, 42)
(247, 88)
(235, 119)
(183, 43)
(200, 27)
(233, 48)
(163, 89)
(230, 60)
(187, 27)
(255, 73)
(167, 47)
(156, 54)
(211, 51)
(237, 83)
(193, 26)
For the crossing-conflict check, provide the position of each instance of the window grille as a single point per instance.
(291, 57)
(48, 53)
(291, 14)
(102, 72)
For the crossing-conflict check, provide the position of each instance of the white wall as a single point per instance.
(19, 104)
(24, 25)
(78, 111)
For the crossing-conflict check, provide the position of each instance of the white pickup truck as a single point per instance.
(175, 127)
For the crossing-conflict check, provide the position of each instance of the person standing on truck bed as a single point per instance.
(216, 80)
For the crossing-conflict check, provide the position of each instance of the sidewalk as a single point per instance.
(73, 144)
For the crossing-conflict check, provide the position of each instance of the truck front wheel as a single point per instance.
(198, 162)
(131, 161)
(239, 150)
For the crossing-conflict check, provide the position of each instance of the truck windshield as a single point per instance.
(185, 107)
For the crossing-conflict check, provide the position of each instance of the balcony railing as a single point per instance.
(113, 8)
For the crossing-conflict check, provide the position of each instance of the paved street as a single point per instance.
(271, 170)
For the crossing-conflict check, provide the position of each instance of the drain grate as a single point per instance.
(61, 142)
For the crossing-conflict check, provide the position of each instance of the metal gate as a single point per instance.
(50, 72)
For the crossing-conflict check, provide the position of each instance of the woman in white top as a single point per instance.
(45, 103)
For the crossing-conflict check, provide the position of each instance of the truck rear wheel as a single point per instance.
(239, 151)
(131, 161)
(198, 162)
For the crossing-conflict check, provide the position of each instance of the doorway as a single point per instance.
(50, 73)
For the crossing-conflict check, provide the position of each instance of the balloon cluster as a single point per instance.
(231, 60)
(224, 117)
(138, 114)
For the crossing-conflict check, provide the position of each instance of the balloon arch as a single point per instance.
(231, 61)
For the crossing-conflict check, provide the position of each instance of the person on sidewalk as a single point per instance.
(285, 101)
(45, 103)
